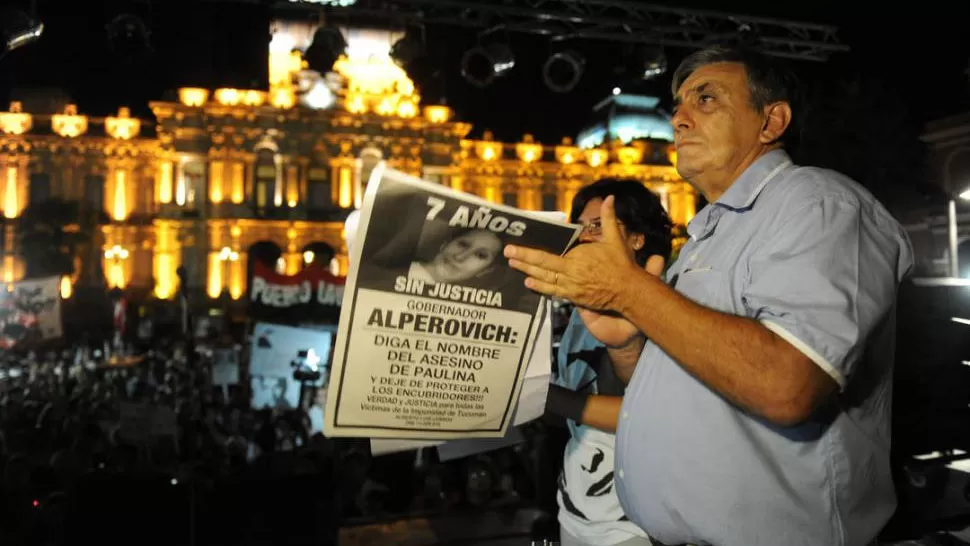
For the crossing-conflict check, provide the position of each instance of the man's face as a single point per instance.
(716, 128)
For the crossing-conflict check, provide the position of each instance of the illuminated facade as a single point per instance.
(227, 168)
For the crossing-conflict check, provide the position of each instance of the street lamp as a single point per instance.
(227, 256)
(952, 231)
(953, 189)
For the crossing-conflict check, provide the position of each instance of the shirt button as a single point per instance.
(692, 258)
(626, 415)
(621, 474)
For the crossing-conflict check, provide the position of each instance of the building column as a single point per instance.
(342, 181)
(217, 178)
(166, 259)
(118, 189)
(567, 191)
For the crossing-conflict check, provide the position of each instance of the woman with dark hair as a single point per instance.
(637, 208)
(586, 391)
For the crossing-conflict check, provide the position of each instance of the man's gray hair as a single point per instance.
(769, 79)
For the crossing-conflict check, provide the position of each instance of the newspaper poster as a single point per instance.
(30, 311)
(530, 405)
(436, 330)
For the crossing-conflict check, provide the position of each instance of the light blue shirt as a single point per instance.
(816, 259)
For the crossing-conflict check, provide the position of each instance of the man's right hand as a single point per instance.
(614, 330)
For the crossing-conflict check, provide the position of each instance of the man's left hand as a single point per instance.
(591, 275)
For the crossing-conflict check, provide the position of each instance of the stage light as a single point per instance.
(129, 36)
(639, 63)
(482, 65)
(563, 70)
(652, 70)
(747, 37)
(654, 64)
(327, 46)
(17, 29)
(407, 50)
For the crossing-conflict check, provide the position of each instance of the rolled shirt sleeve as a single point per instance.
(823, 280)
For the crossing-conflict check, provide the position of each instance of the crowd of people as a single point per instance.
(90, 443)
(73, 417)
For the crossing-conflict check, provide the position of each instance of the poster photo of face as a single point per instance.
(465, 255)
(443, 239)
(273, 392)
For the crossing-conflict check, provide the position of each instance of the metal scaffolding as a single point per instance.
(625, 21)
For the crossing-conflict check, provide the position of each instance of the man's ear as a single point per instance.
(777, 120)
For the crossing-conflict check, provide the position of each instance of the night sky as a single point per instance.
(921, 55)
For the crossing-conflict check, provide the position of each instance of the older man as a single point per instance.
(758, 412)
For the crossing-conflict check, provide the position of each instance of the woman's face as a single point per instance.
(466, 256)
(593, 231)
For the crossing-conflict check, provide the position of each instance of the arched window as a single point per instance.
(370, 157)
(267, 252)
(146, 191)
(510, 195)
(319, 190)
(318, 254)
(550, 198)
(265, 194)
(40, 187)
(189, 190)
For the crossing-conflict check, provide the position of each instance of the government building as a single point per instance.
(218, 171)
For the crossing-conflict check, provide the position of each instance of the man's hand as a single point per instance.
(612, 329)
(591, 275)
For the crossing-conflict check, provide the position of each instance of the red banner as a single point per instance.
(313, 294)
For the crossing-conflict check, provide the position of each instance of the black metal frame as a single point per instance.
(624, 21)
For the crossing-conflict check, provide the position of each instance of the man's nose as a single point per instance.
(681, 120)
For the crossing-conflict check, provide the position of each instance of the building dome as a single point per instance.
(626, 118)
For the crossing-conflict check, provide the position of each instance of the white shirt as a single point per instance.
(588, 506)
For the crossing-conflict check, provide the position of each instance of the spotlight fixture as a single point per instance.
(482, 65)
(128, 35)
(411, 53)
(654, 63)
(327, 46)
(654, 68)
(17, 29)
(408, 49)
(748, 37)
(639, 63)
(563, 70)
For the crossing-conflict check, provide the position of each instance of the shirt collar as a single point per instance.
(742, 194)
